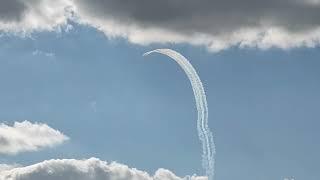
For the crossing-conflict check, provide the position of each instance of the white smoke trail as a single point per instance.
(204, 133)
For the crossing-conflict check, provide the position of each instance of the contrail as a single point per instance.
(204, 133)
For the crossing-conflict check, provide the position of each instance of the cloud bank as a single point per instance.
(26, 136)
(215, 24)
(90, 169)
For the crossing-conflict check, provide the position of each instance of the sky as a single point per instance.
(75, 87)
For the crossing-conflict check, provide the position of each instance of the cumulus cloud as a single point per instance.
(215, 24)
(26, 136)
(7, 167)
(90, 169)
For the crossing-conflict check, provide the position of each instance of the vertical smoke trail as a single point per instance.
(204, 132)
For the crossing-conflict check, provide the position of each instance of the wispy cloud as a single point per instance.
(42, 53)
(26, 136)
(289, 178)
(93, 106)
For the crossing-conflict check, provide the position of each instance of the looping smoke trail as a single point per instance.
(204, 133)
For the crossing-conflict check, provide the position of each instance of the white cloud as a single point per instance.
(6, 167)
(90, 169)
(26, 136)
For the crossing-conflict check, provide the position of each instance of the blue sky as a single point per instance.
(116, 105)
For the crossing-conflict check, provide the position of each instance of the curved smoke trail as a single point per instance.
(204, 133)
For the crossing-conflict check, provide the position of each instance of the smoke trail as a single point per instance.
(204, 133)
